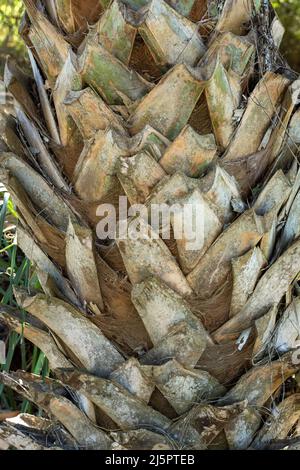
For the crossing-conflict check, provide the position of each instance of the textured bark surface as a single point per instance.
(151, 344)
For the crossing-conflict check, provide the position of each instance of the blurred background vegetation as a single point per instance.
(11, 11)
(289, 14)
(10, 42)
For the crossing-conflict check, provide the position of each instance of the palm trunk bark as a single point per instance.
(169, 102)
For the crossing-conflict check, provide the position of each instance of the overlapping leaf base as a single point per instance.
(152, 345)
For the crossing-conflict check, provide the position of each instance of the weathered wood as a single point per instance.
(271, 287)
(12, 439)
(116, 31)
(65, 15)
(87, 435)
(223, 191)
(234, 52)
(40, 338)
(148, 255)
(190, 153)
(210, 420)
(115, 82)
(40, 152)
(18, 84)
(50, 47)
(268, 207)
(51, 278)
(81, 266)
(90, 113)
(264, 327)
(93, 350)
(161, 309)
(283, 418)
(291, 229)
(54, 208)
(259, 383)
(138, 175)
(204, 228)
(131, 412)
(95, 172)
(143, 439)
(178, 86)
(246, 270)
(132, 376)
(50, 239)
(256, 118)
(67, 81)
(183, 387)
(44, 100)
(171, 38)
(235, 14)
(287, 329)
(213, 268)
(221, 101)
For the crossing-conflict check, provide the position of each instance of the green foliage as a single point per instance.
(289, 14)
(15, 270)
(10, 41)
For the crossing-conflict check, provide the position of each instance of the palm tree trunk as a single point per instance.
(159, 102)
